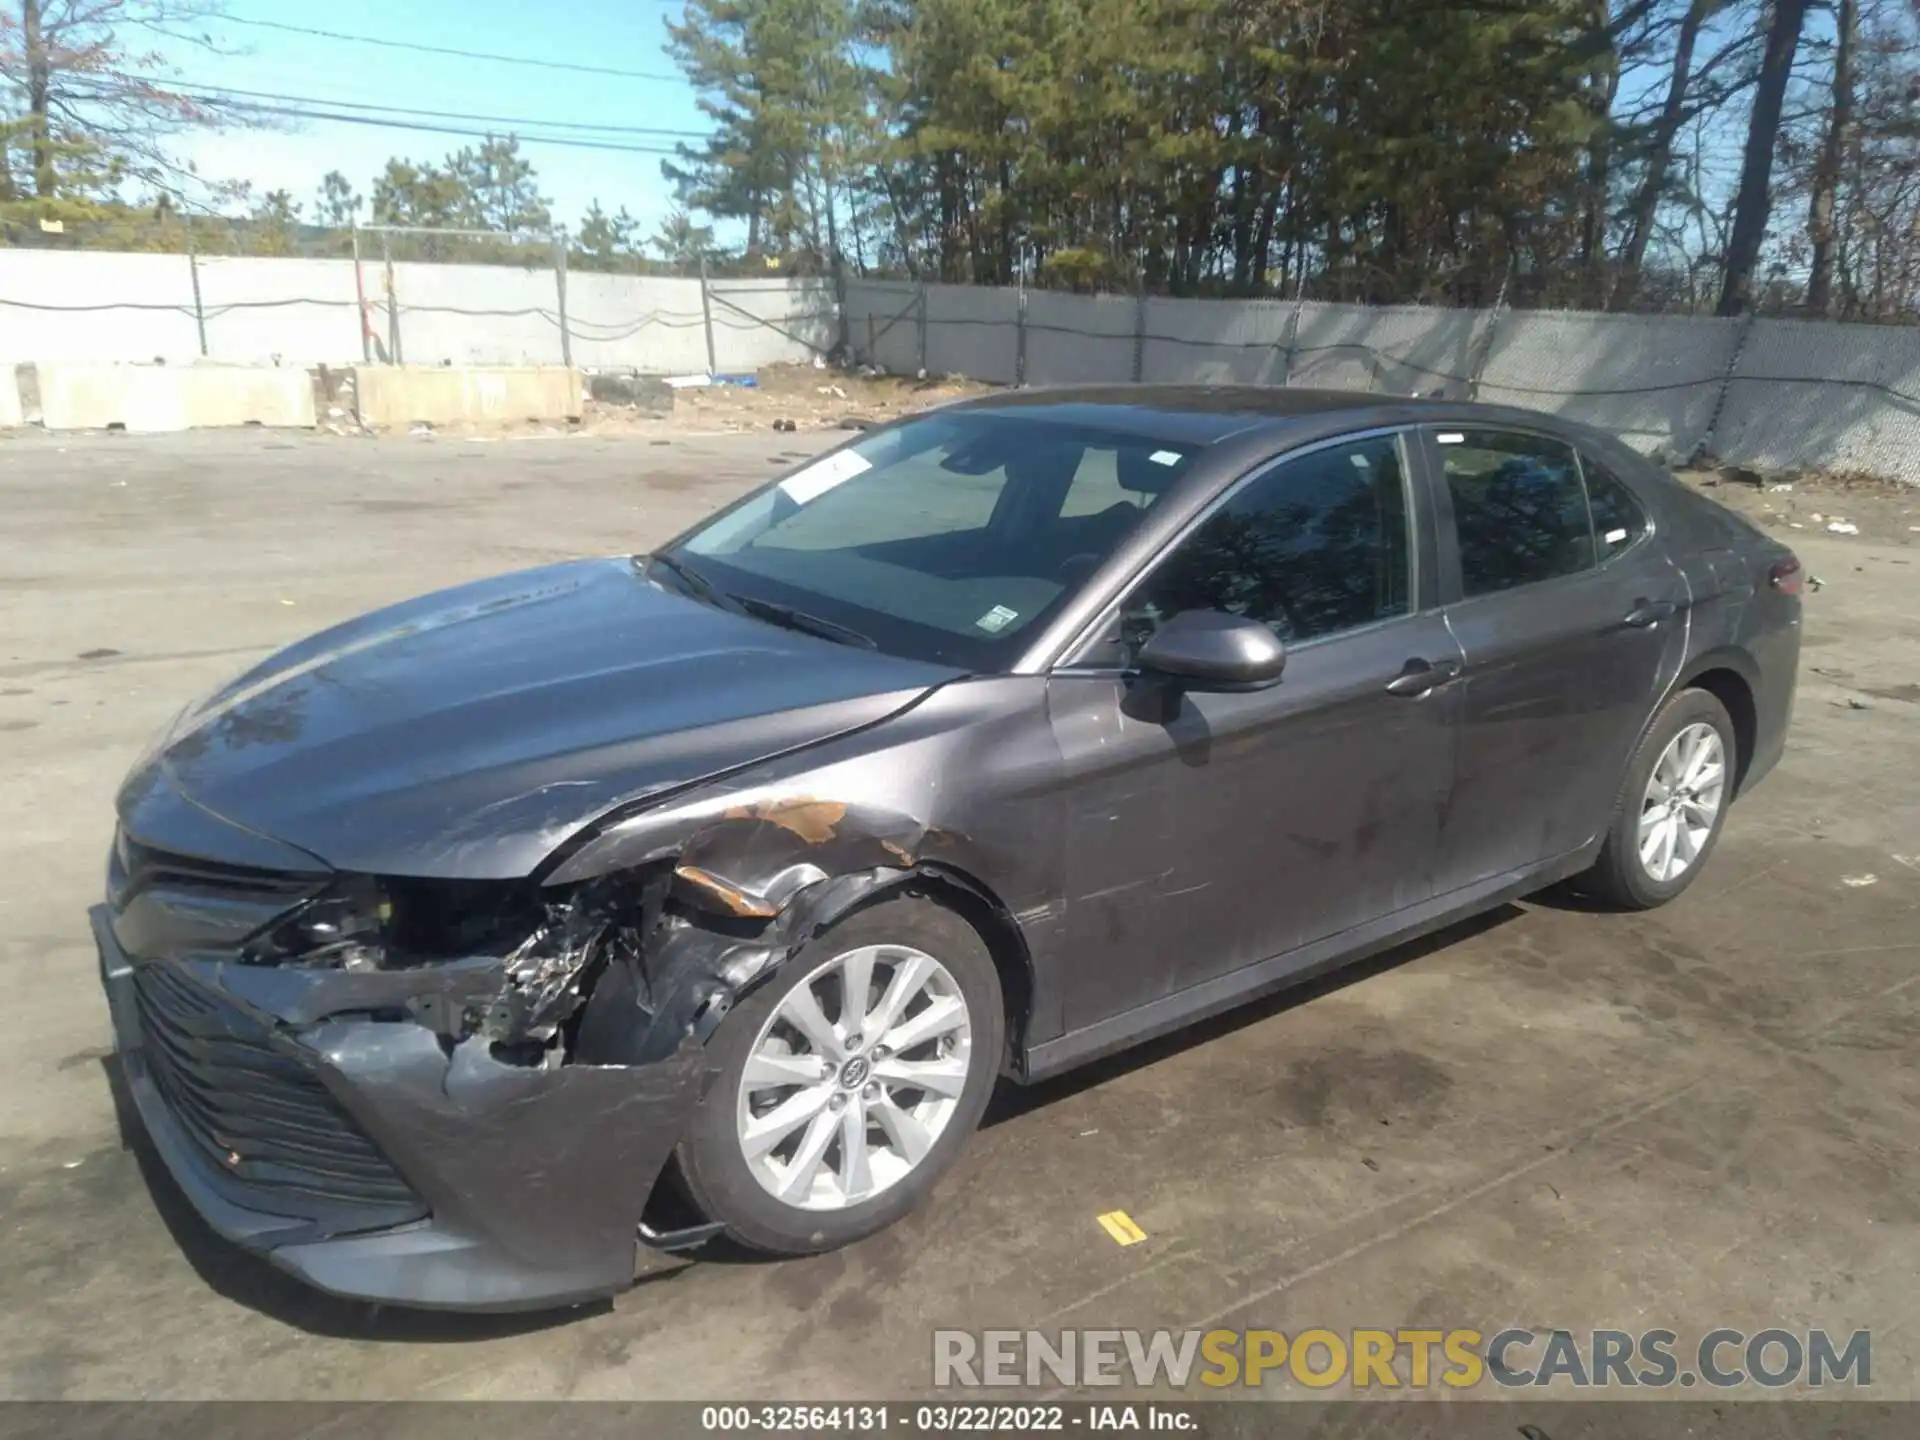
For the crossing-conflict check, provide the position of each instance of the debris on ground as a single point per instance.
(636, 392)
(1839, 502)
(809, 399)
(1858, 881)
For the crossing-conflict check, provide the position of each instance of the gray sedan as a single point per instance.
(475, 952)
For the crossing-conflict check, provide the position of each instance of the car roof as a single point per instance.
(1204, 413)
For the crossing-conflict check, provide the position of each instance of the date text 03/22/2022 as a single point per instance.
(944, 1419)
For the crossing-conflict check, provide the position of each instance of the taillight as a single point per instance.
(1785, 576)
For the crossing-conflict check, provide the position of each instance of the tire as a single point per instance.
(1621, 875)
(740, 1193)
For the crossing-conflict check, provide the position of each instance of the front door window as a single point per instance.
(1315, 547)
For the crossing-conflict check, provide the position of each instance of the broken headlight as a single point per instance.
(364, 922)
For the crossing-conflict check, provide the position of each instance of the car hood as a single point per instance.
(469, 732)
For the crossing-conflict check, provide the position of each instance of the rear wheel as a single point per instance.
(848, 1084)
(1672, 804)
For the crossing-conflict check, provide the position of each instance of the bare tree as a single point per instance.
(1821, 229)
(1753, 203)
(1661, 135)
(89, 98)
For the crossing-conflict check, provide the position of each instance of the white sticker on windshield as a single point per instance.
(821, 476)
(1452, 437)
(1614, 537)
(1165, 457)
(997, 619)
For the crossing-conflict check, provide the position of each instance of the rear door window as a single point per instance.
(1618, 520)
(1519, 508)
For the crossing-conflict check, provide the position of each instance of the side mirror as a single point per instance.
(1211, 650)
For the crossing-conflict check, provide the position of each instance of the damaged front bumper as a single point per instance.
(372, 1157)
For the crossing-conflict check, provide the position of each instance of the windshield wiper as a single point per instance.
(691, 580)
(702, 588)
(800, 620)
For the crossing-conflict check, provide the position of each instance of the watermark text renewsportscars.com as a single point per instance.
(1400, 1359)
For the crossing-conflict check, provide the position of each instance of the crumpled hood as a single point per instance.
(469, 732)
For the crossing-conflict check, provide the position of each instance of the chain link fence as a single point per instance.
(1774, 394)
(504, 300)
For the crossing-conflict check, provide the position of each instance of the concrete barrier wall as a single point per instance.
(84, 395)
(100, 305)
(1775, 394)
(10, 410)
(408, 395)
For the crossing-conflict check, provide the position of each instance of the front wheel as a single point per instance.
(1672, 804)
(847, 1085)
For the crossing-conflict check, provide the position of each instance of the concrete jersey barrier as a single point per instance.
(83, 395)
(449, 395)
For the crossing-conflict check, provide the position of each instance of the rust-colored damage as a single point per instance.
(814, 821)
(726, 894)
(754, 860)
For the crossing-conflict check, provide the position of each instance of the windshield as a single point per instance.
(946, 538)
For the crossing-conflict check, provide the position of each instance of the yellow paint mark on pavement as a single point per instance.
(1120, 1226)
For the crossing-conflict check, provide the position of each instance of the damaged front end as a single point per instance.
(446, 1094)
(457, 1094)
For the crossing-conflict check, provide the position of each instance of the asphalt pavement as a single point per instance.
(1703, 1116)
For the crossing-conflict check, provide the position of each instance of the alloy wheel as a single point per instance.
(853, 1077)
(1682, 802)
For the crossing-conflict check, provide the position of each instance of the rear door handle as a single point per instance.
(1648, 612)
(1421, 676)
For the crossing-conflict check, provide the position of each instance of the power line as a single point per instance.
(447, 50)
(430, 114)
(569, 142)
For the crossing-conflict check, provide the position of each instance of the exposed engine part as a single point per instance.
(619, 970)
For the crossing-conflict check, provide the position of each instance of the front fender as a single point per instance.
(959, 794)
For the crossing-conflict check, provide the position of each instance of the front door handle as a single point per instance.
(1421, 676)
(1648, 612)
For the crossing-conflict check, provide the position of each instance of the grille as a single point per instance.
(261, 1118)
(136, 867)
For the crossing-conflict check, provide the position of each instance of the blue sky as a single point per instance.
(618, 34)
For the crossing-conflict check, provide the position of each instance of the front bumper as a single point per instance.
(512, 1187)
